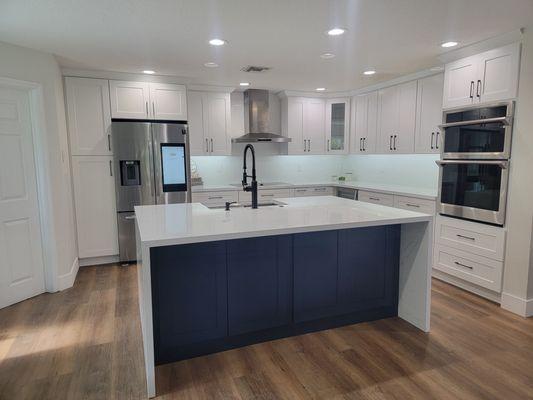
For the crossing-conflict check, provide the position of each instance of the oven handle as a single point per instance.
(503, 164)
(503, 120)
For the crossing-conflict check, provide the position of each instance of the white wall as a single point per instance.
(518, 273)
(34, 66)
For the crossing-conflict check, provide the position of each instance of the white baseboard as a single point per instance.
(517, 305)
(470, 287)
(66, 281)
(89, 261)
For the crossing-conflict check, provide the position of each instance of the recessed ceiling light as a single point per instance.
(327, 56)
(244, 84)
(211, 65)
(336, 31)
(320, 89)
(369, 72)
(148, 71)
(449, 44)
(217, 42)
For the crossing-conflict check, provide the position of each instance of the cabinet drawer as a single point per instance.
(414, 204)
(376, 198)
(214, 198)
(265, 194)
(470, 267)
(481, 239)
(313, 191)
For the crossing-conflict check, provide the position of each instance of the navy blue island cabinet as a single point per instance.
(214, 296)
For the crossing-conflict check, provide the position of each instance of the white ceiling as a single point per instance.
(170, 36)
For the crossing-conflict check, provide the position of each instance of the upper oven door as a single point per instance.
(475, 190)
(478, 133)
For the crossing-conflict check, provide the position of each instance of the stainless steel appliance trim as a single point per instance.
(504, 164)
(472, 213)
(504, 120)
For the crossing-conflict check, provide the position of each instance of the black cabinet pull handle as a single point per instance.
(360, 144)
(437, 141)
(432, 136)
(478, 88)
(466, 237)
(463, 265)
(390, 143)
(471, 89)
(395, 142)
(364, 144)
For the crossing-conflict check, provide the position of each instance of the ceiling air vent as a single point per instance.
(254, 68)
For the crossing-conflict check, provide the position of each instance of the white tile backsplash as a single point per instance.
(412, 170)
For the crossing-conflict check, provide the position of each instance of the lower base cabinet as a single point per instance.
(341, 272)
(259, 283)
(213, 296)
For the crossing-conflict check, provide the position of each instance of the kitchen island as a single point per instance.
(211, 280)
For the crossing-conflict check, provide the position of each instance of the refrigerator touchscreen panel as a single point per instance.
(173, 167)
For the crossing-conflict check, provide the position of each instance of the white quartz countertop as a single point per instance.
(402, 190)
(163, 225)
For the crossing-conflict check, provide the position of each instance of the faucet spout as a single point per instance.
(253, 187)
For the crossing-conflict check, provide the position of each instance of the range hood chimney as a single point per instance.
(257, 119)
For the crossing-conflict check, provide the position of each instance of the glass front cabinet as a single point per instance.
(337, 125)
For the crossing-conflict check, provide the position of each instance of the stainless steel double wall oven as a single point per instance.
(474, 165)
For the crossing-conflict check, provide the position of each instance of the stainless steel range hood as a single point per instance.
(257, 119)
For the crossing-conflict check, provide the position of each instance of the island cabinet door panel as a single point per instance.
(315, 275)
(259, 283)
(368, 268)
(189, 295)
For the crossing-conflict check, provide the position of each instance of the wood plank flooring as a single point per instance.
(85, 343)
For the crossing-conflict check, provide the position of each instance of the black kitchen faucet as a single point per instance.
(253, 187)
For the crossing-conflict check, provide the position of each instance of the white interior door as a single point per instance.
(21, 258)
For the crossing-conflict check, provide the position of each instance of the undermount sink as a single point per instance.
(271, 203)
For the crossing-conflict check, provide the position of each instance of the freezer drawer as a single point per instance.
(126, 236)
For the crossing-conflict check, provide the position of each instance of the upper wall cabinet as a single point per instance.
(89, 116)
(337, 125)
(363, 127)
(396, 121)
(483, 78)
(303, 120)
(209, 123)
(148, 100)
(429, 114)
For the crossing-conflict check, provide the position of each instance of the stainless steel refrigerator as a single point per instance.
(151, 166)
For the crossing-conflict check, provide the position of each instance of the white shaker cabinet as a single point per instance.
(209, 123)
(303, 120)
(314, 125)
(88, 116)
(168, 101)
(396, 121)
(429, 114)
(459, 79)
(148, 100)
(483, 78)
(363, 127)
(292, 124)
(130, 99)
(94, 196)
(337, 125)
(498, 74)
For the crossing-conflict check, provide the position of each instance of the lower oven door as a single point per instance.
(475, 190)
